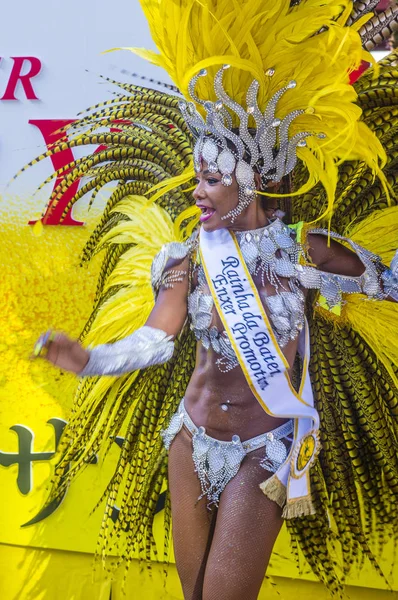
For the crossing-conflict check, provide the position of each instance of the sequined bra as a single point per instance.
(273, 254)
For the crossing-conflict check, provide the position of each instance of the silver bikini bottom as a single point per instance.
(217, 462)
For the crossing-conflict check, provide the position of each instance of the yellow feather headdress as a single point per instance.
(309, 42)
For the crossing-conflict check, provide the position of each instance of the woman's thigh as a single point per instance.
(247, 526)
(192, 522)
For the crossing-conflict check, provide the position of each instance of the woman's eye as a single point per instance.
(211, 180)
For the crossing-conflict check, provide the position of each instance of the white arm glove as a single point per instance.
(144, 348)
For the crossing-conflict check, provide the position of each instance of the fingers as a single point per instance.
(42, 345)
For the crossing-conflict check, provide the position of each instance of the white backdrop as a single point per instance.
(68, 38)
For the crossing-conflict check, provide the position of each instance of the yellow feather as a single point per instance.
(377, 233)
(172, 182)
(253, 36)
(376, 321)
(148, 228)
(191, 216)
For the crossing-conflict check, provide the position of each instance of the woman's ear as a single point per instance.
(269, 204)
(257, 181)
(273, 186)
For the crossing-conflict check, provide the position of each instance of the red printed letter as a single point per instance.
(49, 129)
(16, 75)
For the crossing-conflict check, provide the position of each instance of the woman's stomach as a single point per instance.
(223, 402)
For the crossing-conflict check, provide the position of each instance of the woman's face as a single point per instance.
(214, 199)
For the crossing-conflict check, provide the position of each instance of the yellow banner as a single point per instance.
(42, 286)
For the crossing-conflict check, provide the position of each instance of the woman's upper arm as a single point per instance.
(171, 306)
(333, 258)
(374, 279)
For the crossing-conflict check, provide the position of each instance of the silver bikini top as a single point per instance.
(272, 253)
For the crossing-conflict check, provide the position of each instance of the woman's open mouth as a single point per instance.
(207, 212)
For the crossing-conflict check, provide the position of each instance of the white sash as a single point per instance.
(264, 366)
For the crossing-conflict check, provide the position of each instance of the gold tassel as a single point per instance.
(300, 507)
(274, 489)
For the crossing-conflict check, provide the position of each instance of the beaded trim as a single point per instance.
(273, 253)
(217, 462)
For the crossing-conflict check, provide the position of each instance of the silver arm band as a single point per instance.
(173, 250)
(333, 286)
(390, 279)
(144, 348)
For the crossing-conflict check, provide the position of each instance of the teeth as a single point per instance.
(207, 212)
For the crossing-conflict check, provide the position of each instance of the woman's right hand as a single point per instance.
(61, 351)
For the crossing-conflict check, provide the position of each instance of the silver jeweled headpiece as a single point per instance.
(268, 150)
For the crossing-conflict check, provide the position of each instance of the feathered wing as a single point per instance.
(148, 148)
(354, 363)
(146, 399)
